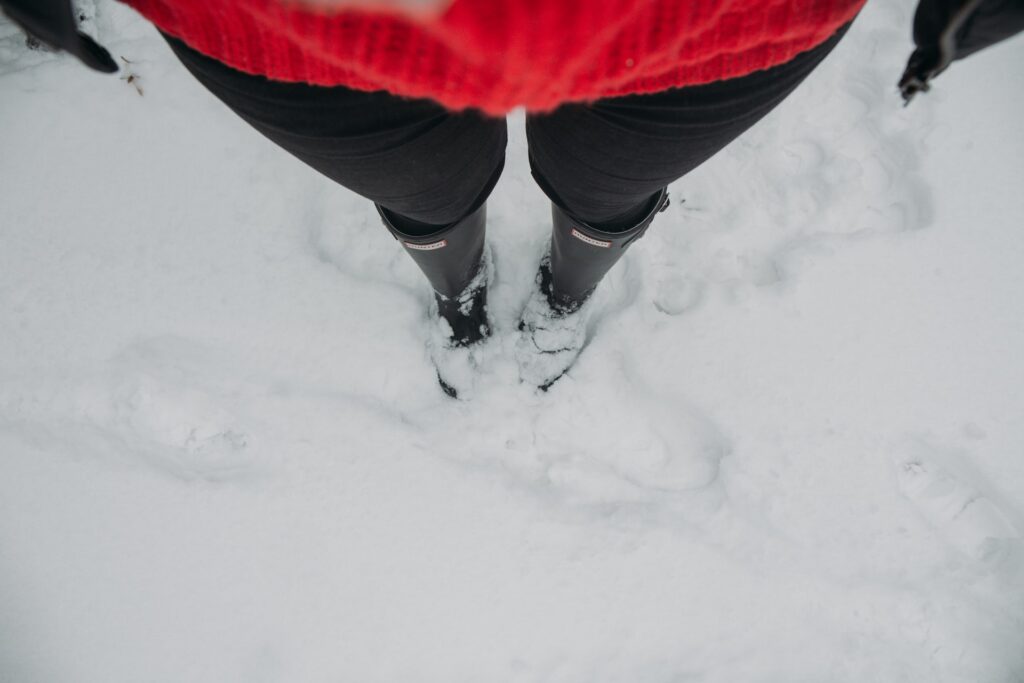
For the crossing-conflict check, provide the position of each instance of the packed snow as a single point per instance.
(792, 448)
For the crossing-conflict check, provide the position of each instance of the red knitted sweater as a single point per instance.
(500, 54)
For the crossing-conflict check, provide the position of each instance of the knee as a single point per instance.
(441, 179)
(581, 167)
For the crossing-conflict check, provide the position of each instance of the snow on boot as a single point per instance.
(551, 337)
(460, 326)
(553, 325)
(453, 260)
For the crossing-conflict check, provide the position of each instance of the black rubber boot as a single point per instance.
(581, 254)
(458, 269)
(553, 325)
(452, 260)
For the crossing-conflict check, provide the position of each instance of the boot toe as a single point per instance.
(549, 342)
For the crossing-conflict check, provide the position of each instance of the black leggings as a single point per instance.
(599, 161)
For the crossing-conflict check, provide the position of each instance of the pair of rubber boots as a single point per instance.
(457, 264)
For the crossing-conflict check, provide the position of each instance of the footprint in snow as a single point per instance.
(640, 446)
(967, 519)
(171, 406)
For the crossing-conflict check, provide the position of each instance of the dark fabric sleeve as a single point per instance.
(53, 22)
(947, 30)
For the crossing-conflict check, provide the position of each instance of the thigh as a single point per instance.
(602, 159)
(412, 156)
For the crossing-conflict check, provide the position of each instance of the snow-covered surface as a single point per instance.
(792, 449)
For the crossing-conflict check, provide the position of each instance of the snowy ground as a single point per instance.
(793, 449)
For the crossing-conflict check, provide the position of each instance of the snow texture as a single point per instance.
(790, 450)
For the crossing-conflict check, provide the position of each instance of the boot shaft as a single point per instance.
(450, 257)
(581, 254)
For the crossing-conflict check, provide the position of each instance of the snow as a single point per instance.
(791, 449)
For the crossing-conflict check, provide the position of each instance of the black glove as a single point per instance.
(53, 22)
(945, 30)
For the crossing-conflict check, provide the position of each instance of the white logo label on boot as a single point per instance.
(427, 247)
(590, 240)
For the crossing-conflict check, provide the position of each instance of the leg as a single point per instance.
(605, 167)
(429, 171)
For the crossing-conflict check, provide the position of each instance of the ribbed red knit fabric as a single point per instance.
(497, 55)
